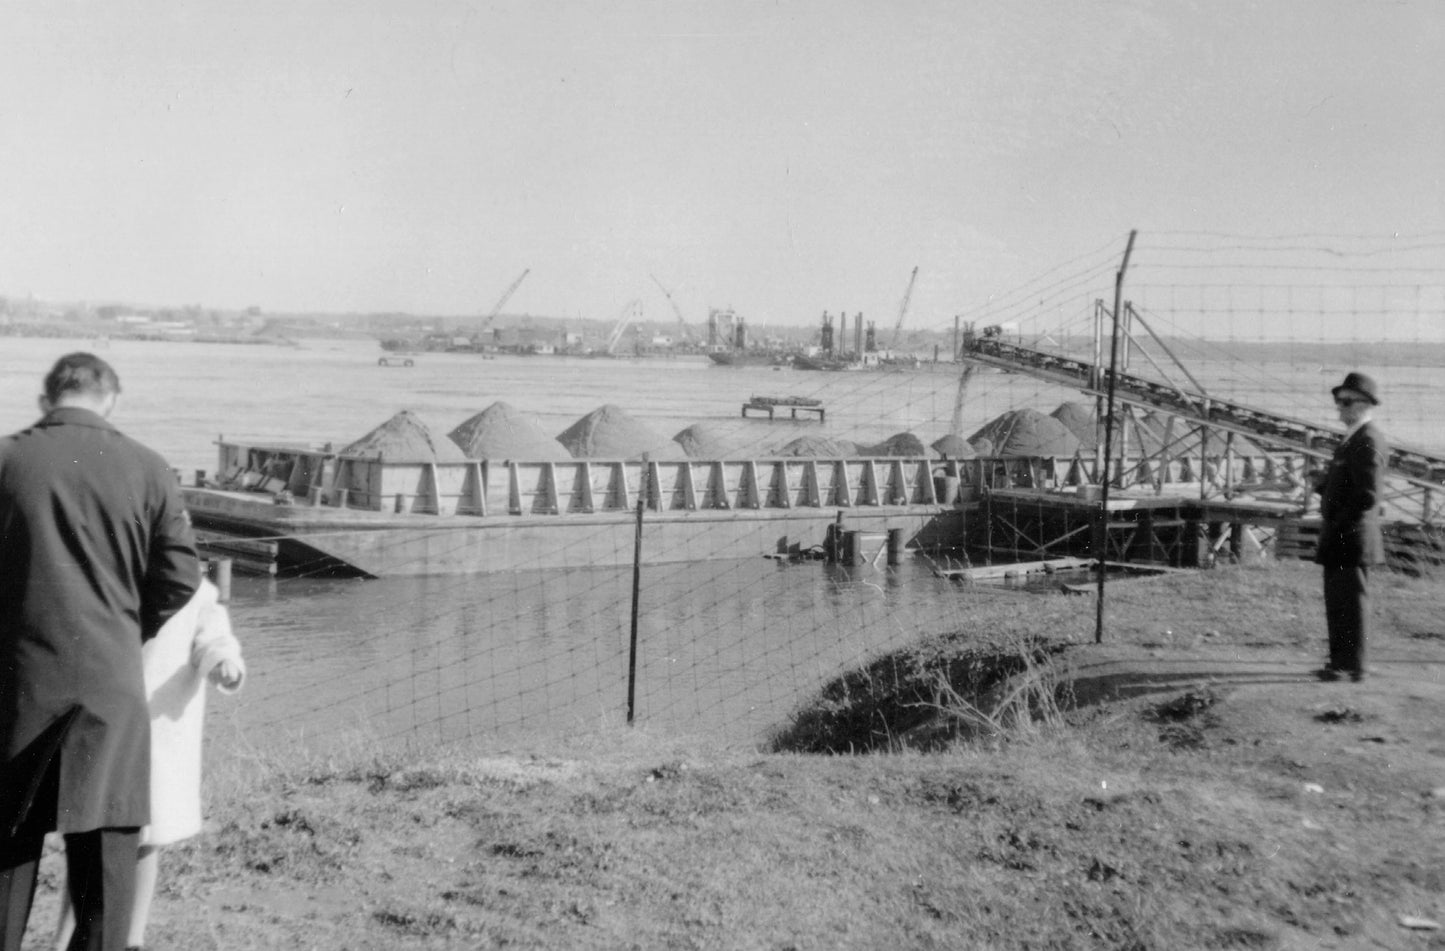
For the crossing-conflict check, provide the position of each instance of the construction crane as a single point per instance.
(502, 301)
(631, 312)
(686, 335)
(903, 308)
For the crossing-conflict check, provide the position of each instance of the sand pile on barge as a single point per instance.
(718, 439)
(501, 431)
(1027, 432)
(608, 432)
(954, 446)
(1130, 432)
(1080, 418)
(819, 447)
(906, 445)
(404, 439)
(1185, 438)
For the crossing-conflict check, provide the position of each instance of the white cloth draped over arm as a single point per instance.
(177, 661)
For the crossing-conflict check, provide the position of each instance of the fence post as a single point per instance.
(636, 589)
(219, 571)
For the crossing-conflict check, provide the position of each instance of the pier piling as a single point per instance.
(219, 571)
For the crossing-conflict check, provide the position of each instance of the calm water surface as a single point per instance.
(729, 648)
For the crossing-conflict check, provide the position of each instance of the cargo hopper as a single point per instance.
(326, 513)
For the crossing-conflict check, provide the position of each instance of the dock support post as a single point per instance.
(219, 571)
(988, 528)
(833, 541)
(1196, 550)
(895, 546)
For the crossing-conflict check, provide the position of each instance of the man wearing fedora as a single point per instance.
(1350, 541)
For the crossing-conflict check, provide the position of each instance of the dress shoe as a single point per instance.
(1327, 674)
(1357, 675)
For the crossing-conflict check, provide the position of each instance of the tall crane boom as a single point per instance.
(903, 308)
(629, 313)
(686, 334)
(506, 296)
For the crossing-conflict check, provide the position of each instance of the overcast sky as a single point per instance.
(782, 158)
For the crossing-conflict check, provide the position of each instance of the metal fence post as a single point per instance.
(636, 589)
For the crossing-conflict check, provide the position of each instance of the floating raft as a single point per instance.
(247, 555)
(793, 404)
(1016, 569)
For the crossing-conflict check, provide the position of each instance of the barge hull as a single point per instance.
(328, 541)
(329, 515)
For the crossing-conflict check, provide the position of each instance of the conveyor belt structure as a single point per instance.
(1422, 471)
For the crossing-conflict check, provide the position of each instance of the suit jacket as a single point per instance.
(1349, 507)
(95, 553)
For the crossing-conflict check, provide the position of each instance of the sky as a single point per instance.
(780, 158)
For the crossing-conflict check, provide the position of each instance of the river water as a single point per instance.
(724, 648)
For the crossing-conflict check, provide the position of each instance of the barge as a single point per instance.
(329, 513)
(313, 511)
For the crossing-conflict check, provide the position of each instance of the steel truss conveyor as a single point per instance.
(1284, 433)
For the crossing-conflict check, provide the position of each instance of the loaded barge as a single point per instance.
(306, 510)
(320, 512)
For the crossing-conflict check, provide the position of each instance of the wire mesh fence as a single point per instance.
(737, 626)
(729, 647)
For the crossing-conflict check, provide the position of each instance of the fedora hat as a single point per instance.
(1358, 383)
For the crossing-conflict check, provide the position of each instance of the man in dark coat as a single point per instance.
(96, 553)
(1350, 541)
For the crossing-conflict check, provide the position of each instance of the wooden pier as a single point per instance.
(248, 556)
(793, 404)
(1013, 525)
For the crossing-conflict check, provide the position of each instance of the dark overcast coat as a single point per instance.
(1350, 502)
(95, 553)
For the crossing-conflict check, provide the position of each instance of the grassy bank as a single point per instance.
(1185, 785)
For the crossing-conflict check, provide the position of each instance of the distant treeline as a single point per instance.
(1344, 354)
(1323, 354)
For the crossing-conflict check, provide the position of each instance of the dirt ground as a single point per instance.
(1200, 789)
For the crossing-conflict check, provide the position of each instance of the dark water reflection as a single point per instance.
(727, 648)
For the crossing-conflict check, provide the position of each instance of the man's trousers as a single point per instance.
(100, 869)
(1347, 610)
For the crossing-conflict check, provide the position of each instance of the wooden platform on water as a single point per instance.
(793, 404)
(1023, 569)
(249, 556)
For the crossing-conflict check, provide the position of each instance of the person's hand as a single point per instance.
(226, 674)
